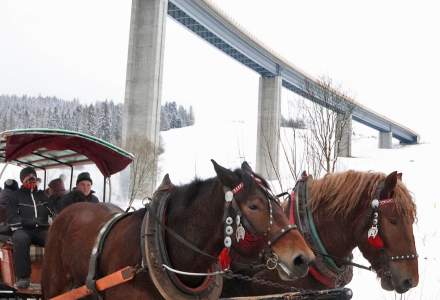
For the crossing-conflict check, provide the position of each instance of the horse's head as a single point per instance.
(392, 252)
(262, 216)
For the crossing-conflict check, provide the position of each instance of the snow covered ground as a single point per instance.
(188, 152)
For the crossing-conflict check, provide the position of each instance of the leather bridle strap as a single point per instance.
(244, 220)
(281, 233)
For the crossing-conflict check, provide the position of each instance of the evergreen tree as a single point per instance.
(104, 121)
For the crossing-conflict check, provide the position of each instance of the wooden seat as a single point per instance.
(7, 263)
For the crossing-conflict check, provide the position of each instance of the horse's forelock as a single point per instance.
(404, 203)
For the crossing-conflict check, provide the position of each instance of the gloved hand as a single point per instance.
(29, 223)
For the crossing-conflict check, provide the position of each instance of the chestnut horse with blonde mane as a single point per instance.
(344, 212)
(195, 212)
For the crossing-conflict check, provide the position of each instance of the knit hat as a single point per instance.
(57, 185)
(84, 176)
(11, 184)
(26, 172)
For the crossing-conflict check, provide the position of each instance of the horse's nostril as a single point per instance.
(300, 260)
(407, 283)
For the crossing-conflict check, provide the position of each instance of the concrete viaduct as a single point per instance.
(144, 77)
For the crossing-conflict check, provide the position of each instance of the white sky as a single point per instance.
(385, 53)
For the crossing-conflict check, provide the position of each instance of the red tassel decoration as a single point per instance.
(224, 259)
(376, 242)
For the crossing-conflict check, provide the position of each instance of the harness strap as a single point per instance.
(312, 270)
(244, 221)
(109, 281)
(155, 233)
(324, 270)
(97, 249)
(281, 233)
(177, 236)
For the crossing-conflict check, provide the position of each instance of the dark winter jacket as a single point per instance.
(55, 203)
(75, 196)
(5, 196)
(28, 210)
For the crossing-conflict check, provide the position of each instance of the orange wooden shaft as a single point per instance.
(114, 279)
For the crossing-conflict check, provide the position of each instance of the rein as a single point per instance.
(178, 236)
(345, 261)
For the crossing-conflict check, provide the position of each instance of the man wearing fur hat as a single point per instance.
(81, 193)
(28, 220)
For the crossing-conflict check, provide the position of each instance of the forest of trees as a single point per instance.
(293, 123)
(101, 119)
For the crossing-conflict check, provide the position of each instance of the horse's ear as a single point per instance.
(399, 176)
(390, 184)
(166, 183)
(166, 180)
(226, 176)
(246, 167)
(304, 174)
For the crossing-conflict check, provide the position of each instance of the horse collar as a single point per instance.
(324, 269)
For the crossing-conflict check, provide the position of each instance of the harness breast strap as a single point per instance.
(97, 249)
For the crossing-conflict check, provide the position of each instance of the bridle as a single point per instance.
(231, 205)
(374, 236)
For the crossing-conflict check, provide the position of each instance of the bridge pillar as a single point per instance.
(385, 140)
(344, 130)
(269, 118)
(141, 116)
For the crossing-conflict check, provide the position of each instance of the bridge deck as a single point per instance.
(216, 28)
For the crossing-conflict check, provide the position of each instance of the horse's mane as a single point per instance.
(338, 194)
(186, 193)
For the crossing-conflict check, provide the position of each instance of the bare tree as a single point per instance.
(328, 120)
(143, 170)
(292, 151)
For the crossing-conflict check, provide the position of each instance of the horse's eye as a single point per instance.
(393, 221)
(253, 207)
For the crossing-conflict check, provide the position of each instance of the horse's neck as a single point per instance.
(201, 224)
(335, 233)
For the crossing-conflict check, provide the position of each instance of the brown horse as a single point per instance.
(341, 207)
(195, 212)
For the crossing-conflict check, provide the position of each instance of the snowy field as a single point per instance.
(188, 152)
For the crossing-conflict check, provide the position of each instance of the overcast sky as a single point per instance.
(384, 53)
